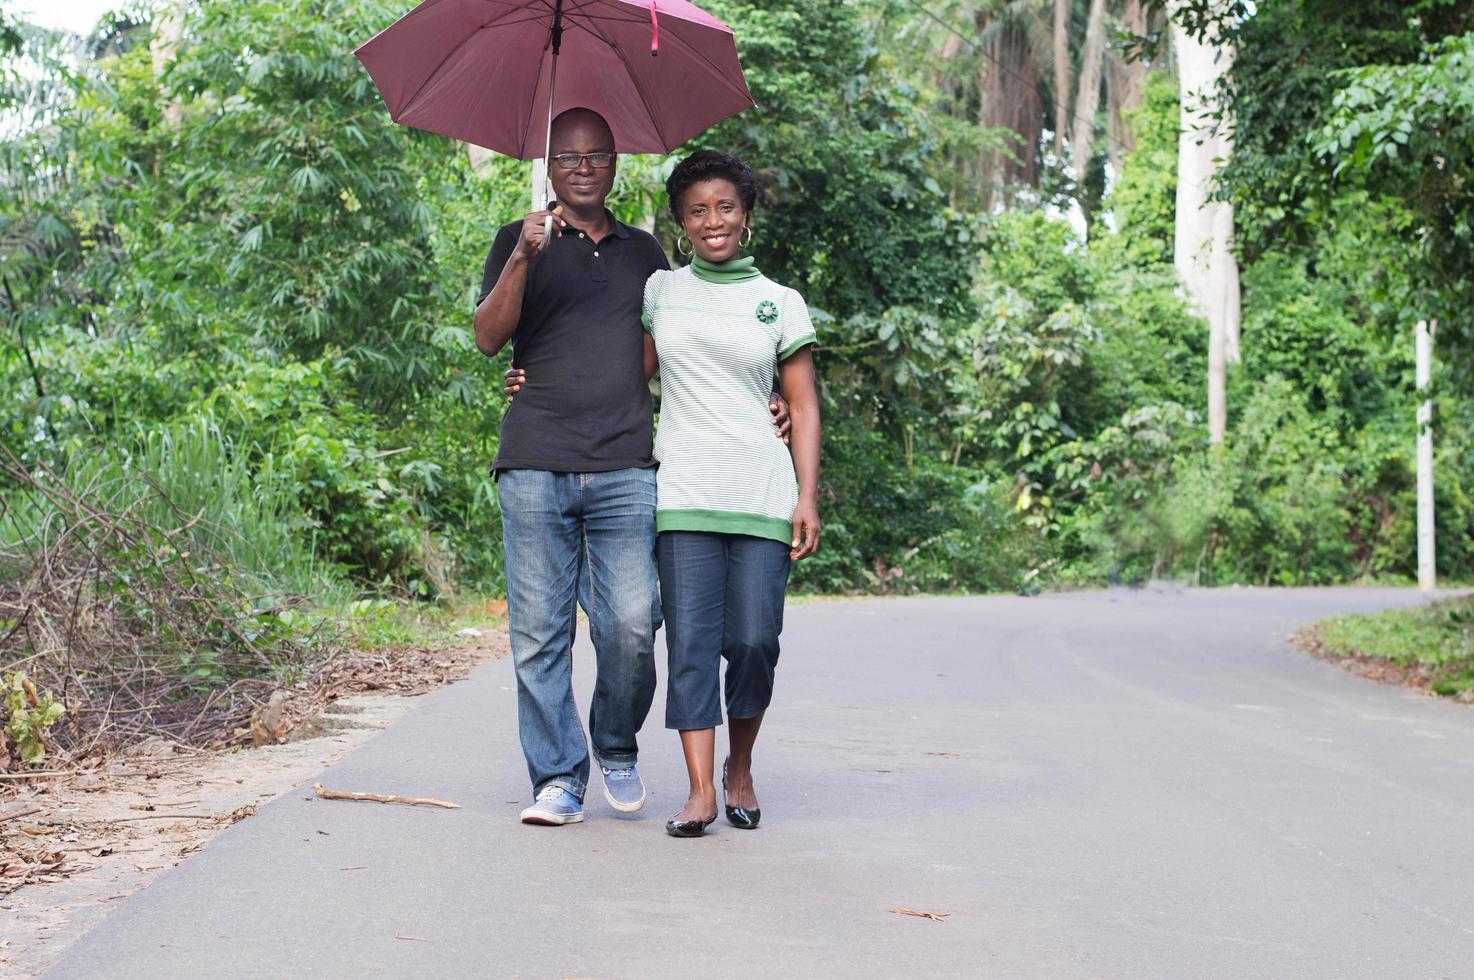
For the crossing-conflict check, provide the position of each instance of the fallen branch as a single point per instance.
(23, 813)
(934, 916)
(333, 794)
(161, 816)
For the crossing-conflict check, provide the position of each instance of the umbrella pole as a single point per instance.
(556, 39)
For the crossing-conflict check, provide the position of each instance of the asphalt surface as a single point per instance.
(1145, 784)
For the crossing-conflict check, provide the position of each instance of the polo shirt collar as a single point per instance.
(618, 228)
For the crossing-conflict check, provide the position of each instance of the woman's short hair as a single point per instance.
(709, 165)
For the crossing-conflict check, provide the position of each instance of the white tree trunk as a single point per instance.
(1203, 246)
(1087, 99)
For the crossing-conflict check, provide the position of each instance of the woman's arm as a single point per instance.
(796, 376)
(652, 360)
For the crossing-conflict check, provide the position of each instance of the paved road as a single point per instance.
(1115, 784)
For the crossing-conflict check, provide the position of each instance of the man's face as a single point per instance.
(584, 187)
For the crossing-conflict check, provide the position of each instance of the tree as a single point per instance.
(1407, 131)
(1202, 249)
(1126, 74)
(1087, 101)
(1061, 50)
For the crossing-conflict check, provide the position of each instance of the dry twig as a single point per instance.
(333, 794)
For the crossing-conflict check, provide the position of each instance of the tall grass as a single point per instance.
(191, 477)
(158, 585)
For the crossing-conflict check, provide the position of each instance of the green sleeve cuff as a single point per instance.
(797, 345)
(645, 319)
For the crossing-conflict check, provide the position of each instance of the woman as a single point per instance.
(734, 509)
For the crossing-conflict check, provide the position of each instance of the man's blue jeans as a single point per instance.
(580, 539)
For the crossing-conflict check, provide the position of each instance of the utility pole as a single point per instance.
(1423, 343)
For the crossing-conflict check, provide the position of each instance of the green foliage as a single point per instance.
(290, 185)
(1408, 130)
(29, 714)
(188, 476)
(1303, 328)
(1436, 639)
(894, 527)
(240, 281)
(1279, 92)
(358, 498)
(849, 214)
(1267, 508)
(1151, 349)
(1114, 489)
(1143, 200)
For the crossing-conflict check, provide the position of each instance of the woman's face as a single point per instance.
(712, 217)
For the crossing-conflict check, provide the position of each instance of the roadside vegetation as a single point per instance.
(244, 426)
(1430, 646)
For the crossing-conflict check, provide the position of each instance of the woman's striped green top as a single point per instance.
(720, 331)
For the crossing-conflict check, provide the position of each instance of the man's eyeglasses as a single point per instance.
(572, 161)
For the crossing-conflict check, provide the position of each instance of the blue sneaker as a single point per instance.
(555, 806)
(623, 789)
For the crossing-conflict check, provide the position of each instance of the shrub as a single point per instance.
(154, 588)
(1266, 508)
(359, 500)
(1112, 489)
(890, 528)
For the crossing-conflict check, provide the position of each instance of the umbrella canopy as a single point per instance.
(494, 72)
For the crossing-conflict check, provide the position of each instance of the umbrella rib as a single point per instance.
(732, 86)
(577, 7)
(533, 102)
(640, 18)
(495, 22)
(511, 5)
(692, 49)
(592, 28)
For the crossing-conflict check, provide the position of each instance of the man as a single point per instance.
(576, 479)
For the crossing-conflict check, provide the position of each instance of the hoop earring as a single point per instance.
(746, 241)
(689, 247)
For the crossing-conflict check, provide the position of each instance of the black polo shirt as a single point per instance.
(586, 406)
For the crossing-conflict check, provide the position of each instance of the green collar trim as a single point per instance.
(733, 270)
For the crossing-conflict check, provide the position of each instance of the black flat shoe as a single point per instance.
(742, 818)
(739, 816)
(688, 828)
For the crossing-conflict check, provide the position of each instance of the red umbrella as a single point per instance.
(660, 71)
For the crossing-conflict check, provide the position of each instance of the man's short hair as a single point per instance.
(581, 111)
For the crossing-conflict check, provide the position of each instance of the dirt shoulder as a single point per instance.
(73, 845)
